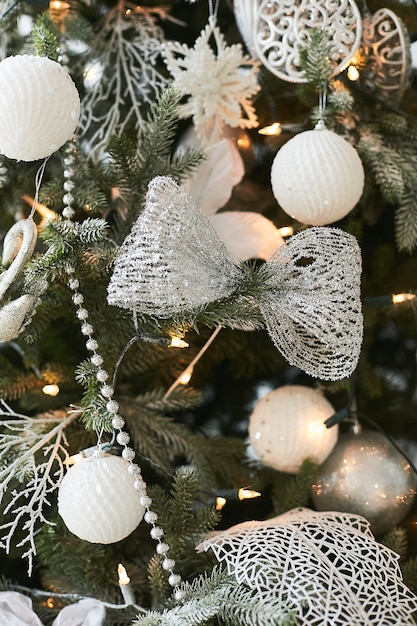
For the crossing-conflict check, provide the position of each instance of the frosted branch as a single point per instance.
(22, 439)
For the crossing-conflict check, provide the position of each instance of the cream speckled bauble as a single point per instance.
(287, 426)
(317, 177)
(98, 501)
(367, 476)
(39, 105)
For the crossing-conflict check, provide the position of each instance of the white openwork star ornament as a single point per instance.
(219, 82)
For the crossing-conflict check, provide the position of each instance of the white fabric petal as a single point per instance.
(212, 183)
(16, 610)
(87, 612)
(246, 235)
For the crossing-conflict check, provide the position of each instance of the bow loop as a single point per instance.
(311, 302)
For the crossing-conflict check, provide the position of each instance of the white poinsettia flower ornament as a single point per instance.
(326, 567)
(219, 82)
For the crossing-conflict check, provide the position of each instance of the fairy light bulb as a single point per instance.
(220, 503)
(398, 298)
(286, 231)
(50, 390)
(177, 342)
(353, 73)
(247, 494)
(123, 577)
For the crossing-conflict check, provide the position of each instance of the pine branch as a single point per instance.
(396, 540)
(218, 597)
(406, 223)
(291, 492)
(316, 58)
(385, 164)
(46, 37)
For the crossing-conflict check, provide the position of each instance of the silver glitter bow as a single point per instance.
(173, 262)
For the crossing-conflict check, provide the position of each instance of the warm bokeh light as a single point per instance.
(274, 130)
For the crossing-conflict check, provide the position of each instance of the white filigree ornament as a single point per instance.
(98, 501)
(311, 302)
(287, 426)
(172, 261)
(18, 246)
(40, 107)
(218, 82)
(317, 177)
(281, 30)
(326, 567)
(387, 49)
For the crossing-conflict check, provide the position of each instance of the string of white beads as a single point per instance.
(112, 406)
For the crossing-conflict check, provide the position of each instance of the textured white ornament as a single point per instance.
(326, 567)
(172, 261)
(287, 426)
(281, 29)
(311, 301)
(366, 475)
(245, 16)
(98, 501)
(40, 107)
(317, 177)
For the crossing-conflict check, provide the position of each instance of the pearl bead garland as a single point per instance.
(107, 391)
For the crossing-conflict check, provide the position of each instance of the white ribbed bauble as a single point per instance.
(98, 501)
(317, 177)
(287, 426)
(40, 107)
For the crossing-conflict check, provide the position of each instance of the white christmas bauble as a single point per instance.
(317, 177)
(39, 105)
(98, 501)
(287, 426)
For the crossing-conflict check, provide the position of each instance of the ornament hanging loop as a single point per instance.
(322, 106)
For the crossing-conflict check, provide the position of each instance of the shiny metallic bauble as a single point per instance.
(365, 474)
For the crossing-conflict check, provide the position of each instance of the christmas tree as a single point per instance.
(207, 313)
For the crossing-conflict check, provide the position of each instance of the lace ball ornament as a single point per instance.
(366, 475)
(40, 107)
(317, 177)
(287, 426)
(98, 501)
(325, 567)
